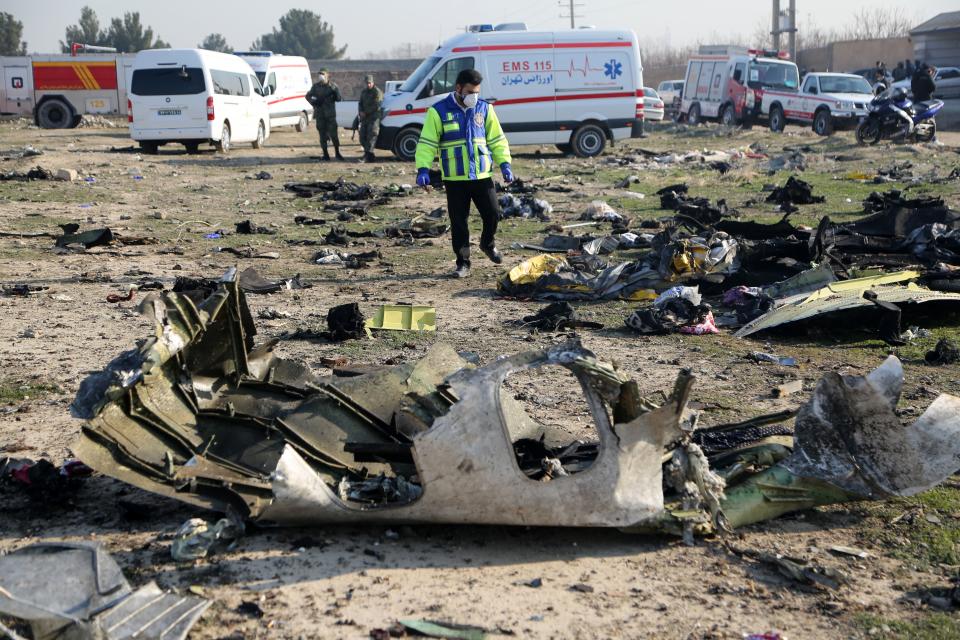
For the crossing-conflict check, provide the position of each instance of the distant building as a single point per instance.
(937, 41)
(349, 74)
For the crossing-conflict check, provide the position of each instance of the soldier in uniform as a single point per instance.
(371, 100)
(324, 96)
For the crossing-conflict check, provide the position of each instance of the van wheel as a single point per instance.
(693, 116)
(588, 141)
(261, 136)
(303, 122)
(823, 123)
(777, 120)
(149, 148)
(55, 114)
(405, 144)
(223, 145)
(728, 116)
(565, 148)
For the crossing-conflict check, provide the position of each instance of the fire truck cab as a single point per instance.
(736, 85)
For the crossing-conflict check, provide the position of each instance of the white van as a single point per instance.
(285, 80)
(192, 96)
(576, 89)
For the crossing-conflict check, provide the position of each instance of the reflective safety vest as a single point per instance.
(470, 142)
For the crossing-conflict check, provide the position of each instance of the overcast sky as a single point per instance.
(378, 25)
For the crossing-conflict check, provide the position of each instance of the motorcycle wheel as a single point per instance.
(868, 132)
(929, 136)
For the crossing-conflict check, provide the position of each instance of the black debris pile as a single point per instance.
(669, 316)
(889, 328)
(698, 210)
(307, 221)
(247, 227)
(749, 303)
(93, 238)
(345, 322)
(524, 206)
(877, 202)
(37, 173)
(795, 191)
(339, 190)
(945, 352)
(517, 187)
(43, 482)
(558, 316)
(261, 175)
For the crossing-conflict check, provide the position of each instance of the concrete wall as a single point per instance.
(940, 49)
(856, 54)
(349, 74)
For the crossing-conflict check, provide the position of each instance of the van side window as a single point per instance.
(228, 83)
(257, 87)
(445, 79)
(692, 76)
(272, 82)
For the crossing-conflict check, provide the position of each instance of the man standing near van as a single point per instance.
(324, 96)
(466, 134)
(371, 99)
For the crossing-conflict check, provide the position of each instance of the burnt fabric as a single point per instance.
(795, 191)
(668, 317)
(558, 316)
(345, 321)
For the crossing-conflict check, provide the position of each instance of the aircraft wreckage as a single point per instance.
(202, 414)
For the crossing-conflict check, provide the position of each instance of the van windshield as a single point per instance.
(262, 77)
(168, 81)
(417, 77)
(766, 74)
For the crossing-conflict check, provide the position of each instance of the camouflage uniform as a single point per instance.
(324, 98)
(369, 109)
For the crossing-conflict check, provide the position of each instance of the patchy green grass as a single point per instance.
(933, 626)
(16, 391)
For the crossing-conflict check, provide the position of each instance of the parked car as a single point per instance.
(652, 105)
(829, 101)
(194, 96)
(870, 74)
(947, 80)
(670, 91)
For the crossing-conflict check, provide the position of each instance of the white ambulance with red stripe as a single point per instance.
(576, 89)
(736, 85)
(286, 80)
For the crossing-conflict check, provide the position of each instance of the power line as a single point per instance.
(572, 8)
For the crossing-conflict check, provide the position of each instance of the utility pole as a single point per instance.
(573, 12)
(785, 22)
(792, 16)
(775, 25)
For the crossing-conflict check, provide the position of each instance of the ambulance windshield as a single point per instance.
(767, 74)
(414, 80)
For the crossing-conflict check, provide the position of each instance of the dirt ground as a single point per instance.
(343, 582)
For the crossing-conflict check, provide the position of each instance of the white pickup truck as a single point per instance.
(829, 101)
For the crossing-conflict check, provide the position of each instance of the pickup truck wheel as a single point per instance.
(777, 119)
(261, 136)
(223, 145)
(589, 140)
(55, 114)
(303, 122)
(728, 116)
(823, 123)
(693, 116)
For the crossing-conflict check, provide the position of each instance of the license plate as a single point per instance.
(169, 112)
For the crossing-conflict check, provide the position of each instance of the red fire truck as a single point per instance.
(57, 89)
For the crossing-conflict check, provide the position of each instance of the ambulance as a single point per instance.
(576, 89)
(286, 81)
(56, 90)
(739, 85)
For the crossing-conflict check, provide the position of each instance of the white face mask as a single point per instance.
(470, 100)
(322, 79)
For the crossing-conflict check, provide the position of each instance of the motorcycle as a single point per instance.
(892, 115)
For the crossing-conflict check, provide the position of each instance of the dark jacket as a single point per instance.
(324, 98)
(922, 86)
